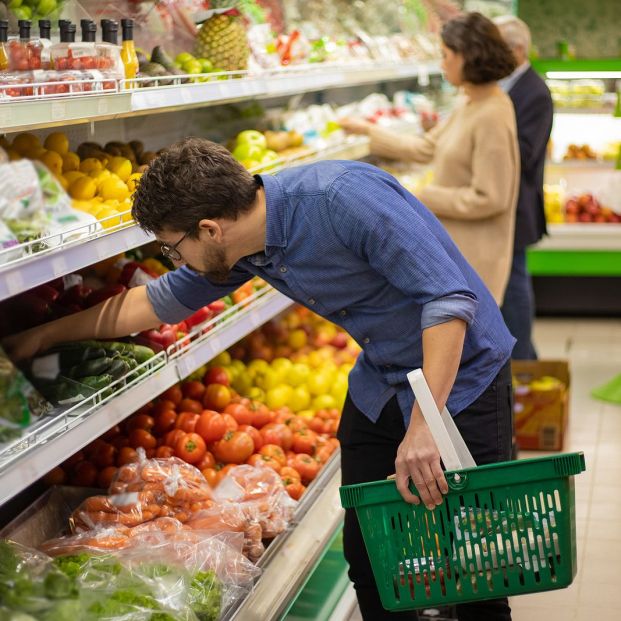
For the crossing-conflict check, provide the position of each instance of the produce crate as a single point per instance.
(541, 406)
(503, 529)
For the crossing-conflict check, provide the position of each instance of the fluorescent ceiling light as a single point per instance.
(577, 75)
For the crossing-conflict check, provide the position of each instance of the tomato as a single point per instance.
(150, 453)
(211, 426)
(186, 421)
(164, 422)
(323, 454)
(261, 415)
(234, 448)
(224, 470)
(254, 433)
(170, 439)
(277, 433)
(290, 455)
(112, 433)
(306, 466)
(297, 423)
(332, 426)
(93, 447)
(316, 424)
(207, 461)
(164, 452)
(295, 490)
(56, 476)
(193, 390)
(74, 459)
(211, 474)
(275, 452)
(289, 475)
(104, 479)
(216, 375)
(231, 423)
(191, 448)
(162, 406)
(105, 456)
(305, 442)
(190, 405)
(264, 461)
(119, 442)
(83, 474)
(173, 394)
(216, 397)
(127, 455)
(140, 421)
(140, 437)
(240, 413)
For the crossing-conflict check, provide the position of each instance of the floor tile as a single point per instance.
(591, 613)
(543, 613)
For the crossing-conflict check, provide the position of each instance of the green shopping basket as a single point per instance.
(503, 529)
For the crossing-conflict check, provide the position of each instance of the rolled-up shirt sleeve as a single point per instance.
(177, 295)
(447, 308)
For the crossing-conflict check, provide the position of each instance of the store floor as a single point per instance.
(593, 348)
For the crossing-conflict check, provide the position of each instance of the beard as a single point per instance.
(215, 266)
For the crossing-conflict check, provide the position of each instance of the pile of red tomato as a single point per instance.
(209, 426)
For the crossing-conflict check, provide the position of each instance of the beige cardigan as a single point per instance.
(476, 164)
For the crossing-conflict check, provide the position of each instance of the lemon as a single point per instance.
(113, 188)
(53, 161)
(83, 188)
(99, 176)
(71, 161)
(63, 182)
(120, 166)
(72, 175)
(57, 142)
(13, 155)
(36, 153)
(107, 215)
(90, 164)
(132, 182)
(96, 208)
(23, 143)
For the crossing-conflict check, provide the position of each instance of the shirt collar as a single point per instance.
(509, 82)
(276, 213)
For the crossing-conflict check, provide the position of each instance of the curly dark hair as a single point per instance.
(192, 180)
(487, 57)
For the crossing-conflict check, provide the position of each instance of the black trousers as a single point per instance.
(368, 452)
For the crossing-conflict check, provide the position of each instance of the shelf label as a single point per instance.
(59, 266)
(59, 110)
(186, 365)
(14, 283)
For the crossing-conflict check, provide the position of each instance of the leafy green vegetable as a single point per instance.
(63, 610)
(205, 596)
(123, 602)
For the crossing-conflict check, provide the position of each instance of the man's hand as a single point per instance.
(418, 459)
(355, 126)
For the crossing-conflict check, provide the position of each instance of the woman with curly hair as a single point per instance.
(474, 152)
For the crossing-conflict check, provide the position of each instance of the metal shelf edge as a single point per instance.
(40, 459)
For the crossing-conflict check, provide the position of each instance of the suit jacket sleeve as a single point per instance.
(534, 124)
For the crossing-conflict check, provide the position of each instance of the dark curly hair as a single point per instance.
(192, 180)
(487, 57)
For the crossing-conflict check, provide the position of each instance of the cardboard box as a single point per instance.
(541, 406)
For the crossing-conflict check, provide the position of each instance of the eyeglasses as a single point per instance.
(170, 251)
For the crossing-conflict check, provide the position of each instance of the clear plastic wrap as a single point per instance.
(261, 496)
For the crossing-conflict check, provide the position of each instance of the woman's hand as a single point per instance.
(355, 126)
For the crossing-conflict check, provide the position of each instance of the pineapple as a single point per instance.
(222, 38)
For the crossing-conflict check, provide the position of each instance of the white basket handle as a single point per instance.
(453, 449)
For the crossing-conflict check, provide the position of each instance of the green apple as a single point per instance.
(252, 136)
(269, 156)
(248, 151)
(45, 7)
(23, 12)
(13, 4)
(206, 64)
(192, 66)
(183, 58)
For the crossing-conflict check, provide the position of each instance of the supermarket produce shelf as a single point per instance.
(43, 111)
(582, 165)
(80, 247)
(294, 554)
(596, 237)
(49, 442)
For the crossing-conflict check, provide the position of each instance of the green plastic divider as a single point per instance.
(580, 64)
(324, 588)
(574, 262)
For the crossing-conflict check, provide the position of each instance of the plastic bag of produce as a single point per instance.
(261, 495)
(19, 401)
(8, 243)
(30, 584)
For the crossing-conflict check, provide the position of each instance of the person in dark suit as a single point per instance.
(533, 111)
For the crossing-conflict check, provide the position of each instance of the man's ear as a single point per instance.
(212, 229)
